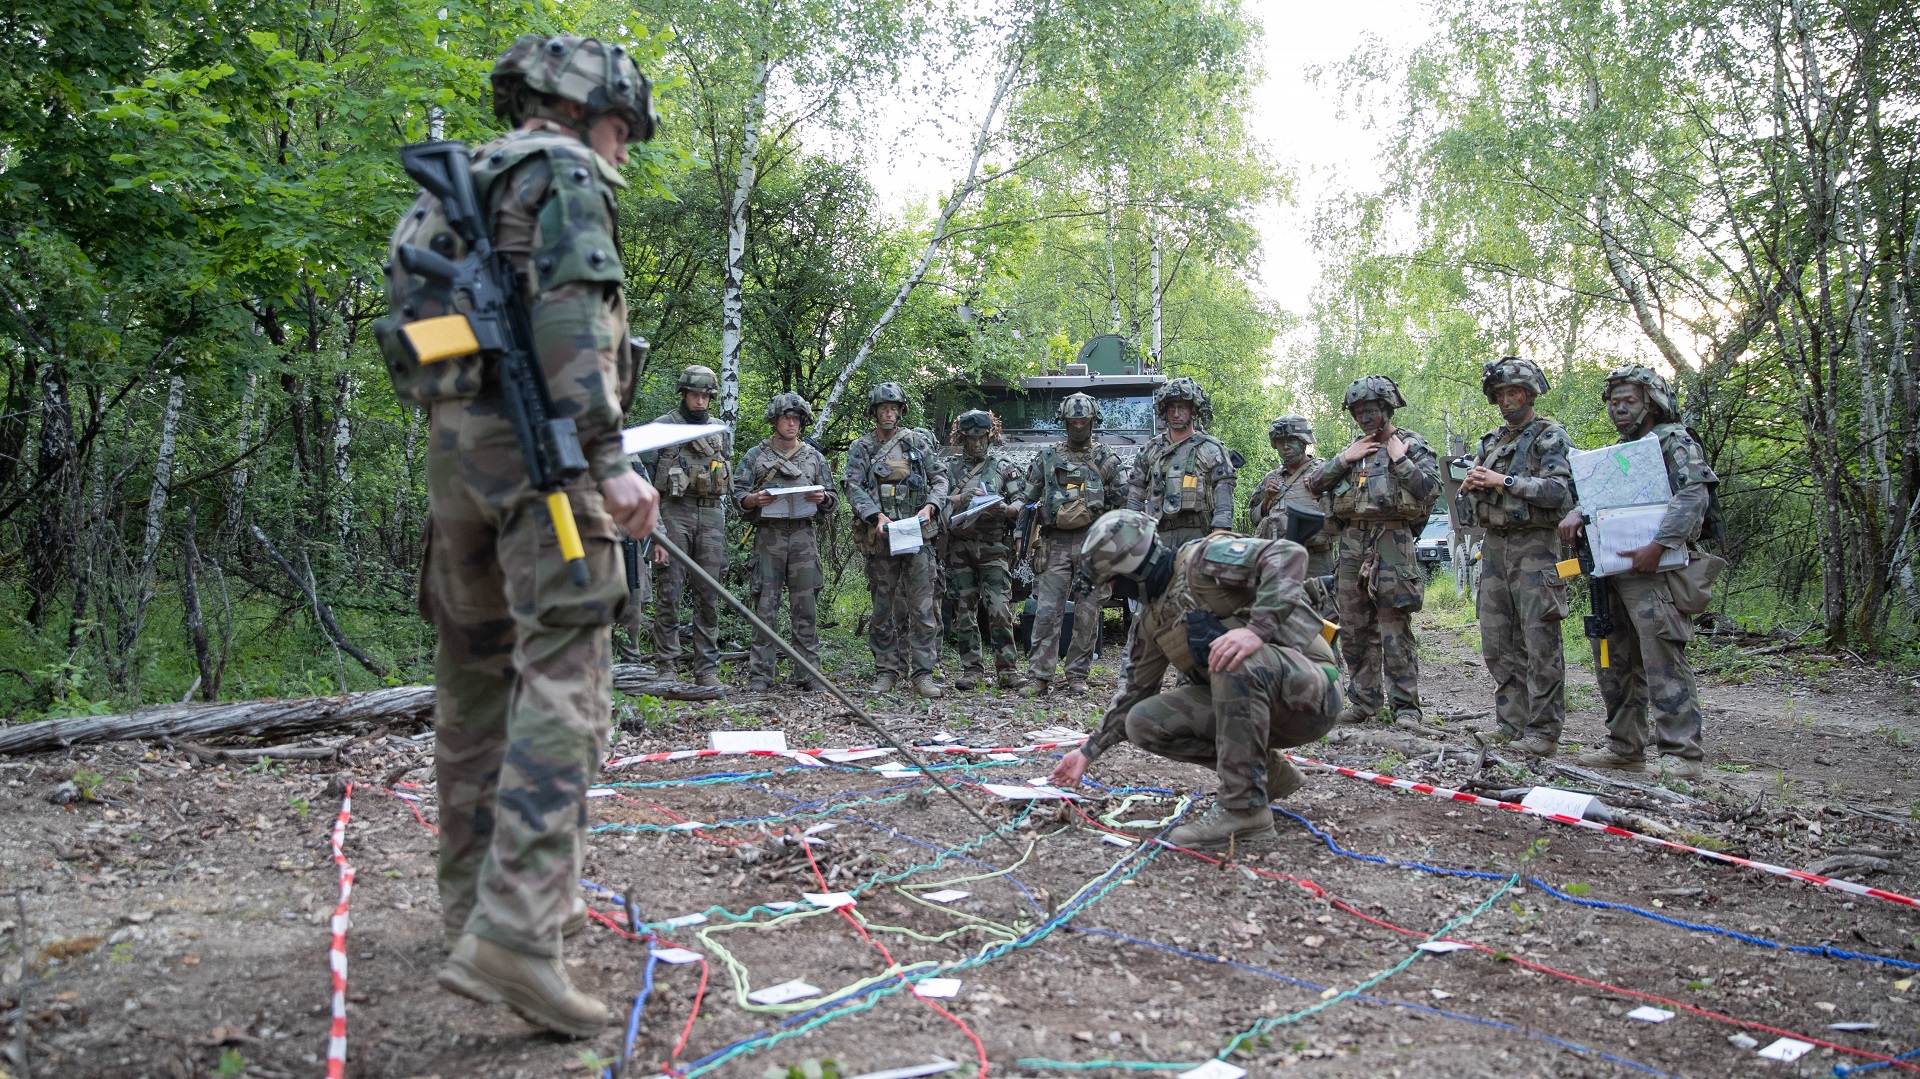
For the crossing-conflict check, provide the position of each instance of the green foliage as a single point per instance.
(811, 1068)
(231, 1064)
(1576, 888)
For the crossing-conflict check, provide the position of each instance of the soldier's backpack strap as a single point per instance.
(576, 221)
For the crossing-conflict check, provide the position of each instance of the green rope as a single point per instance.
(1181, 803)
(748, 822)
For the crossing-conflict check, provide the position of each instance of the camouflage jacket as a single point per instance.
(1279, 489)
(563, 240)
(765, 466)
(1377, 489)
(1538, 456)
(1061, 474)
(896, 476)
(992, 474)
(697, 469)
(1192, 477)
(1260, 584)
(1693, 484)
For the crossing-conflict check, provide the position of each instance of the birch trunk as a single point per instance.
(237, 484)
(732, 303)
(958, 199)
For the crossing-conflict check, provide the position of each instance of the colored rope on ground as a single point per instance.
(1329, 998)
(1841, 1071)
(1182, 804)
(1601, 904)
(1381, 1001)
(337, 944)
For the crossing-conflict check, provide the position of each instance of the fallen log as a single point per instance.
(281, 717)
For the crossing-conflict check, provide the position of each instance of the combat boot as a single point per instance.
(1539, 745)
(760, 685)
(970, 678)
(924, 685)
(884, 682)
(1283, 776)
(1607, 758)
(1011, 678)
(576, 922)
(1675, 767)
(1036, 688)
(1223, 827)
(1075, 687)
(1408, 716)
(1354, 713)
(534, 986)
(708, 677)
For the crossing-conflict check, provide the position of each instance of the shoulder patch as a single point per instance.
(1232, 551)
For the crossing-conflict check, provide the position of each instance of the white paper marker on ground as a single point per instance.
(946, 895)
(828, 899)
(1787, 1050)
(1021, 794)
(937, 987)
(785, 991)
(687, 826)
(1117, 840)
(748, 741)
(675, 956)
(1650, 1015)
(1214, 1069)
(1003, 757)
(1554, 800)
(913, 1071)
(848, 756)
(1442, 947)
(684, 920)
(823, 826)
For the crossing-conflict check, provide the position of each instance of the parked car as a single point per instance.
(1434, 547)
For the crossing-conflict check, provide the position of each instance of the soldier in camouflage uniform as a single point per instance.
(1071, 483)
(1183, 479)
(785, 557)
(1648, 680)
(1285, 488)
(1232, 613)
(694, 479)
(892, 473)
(1381, 487)
(522, 669)
(1520, 486)
(980, 551)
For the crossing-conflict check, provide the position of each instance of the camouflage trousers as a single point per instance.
(1277, 698)
(1052, 581)
(979, 573)
(1379, 585)
(1176, 532)
(904, 632)
(701, 531)
(1522, 601)
(523, 683)
(785, 558)
(1648, 681)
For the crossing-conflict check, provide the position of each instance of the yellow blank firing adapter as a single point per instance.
(561, 510)
(1604, 657)
(1327, 630)
(1569, 568)
(445, 338)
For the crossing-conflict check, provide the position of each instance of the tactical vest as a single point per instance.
(1217, 577)
(901, 473)
(771, 468)
(972, 476)
(1273, 525)
(1075, 491)
(1500, 508)
(1175, 483)
(1369, 492)
(696, 469)
(576, 246)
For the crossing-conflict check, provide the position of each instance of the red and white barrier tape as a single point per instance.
(337, 951)
(690, 754)
(1594, 826)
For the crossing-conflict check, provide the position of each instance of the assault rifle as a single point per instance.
(1598, 625)
(1023, 529)
(495, 323)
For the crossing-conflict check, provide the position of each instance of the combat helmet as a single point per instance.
(1118, 544)
(1183, 389)
(1079, 406)
(1659, 392)
(887, 393)
(583, 70)
(1512, 371)
(698, 379)
(1373, 388)
(1298, 427)
(784, 403)
(973, 423)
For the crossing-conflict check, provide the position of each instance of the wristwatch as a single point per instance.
(1507, 482)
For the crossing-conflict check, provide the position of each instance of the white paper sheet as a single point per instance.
(1215, 1069)
(940, 988)
(675, 956)
(1021, 794)
(748, 741)
(914, 1071)
(848, 756)
(1624, 529)
(828, 899)
(903, 537)
(785, 991)
(1442, 947)
(1554, 800)
(684, 920)
(946, 895)
(1650, 1015)
(790, 503)
(1787, 1050)
(1003, 757)
(979, 503)
(658, 436)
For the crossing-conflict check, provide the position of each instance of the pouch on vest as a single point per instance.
(1069, 507)
(1202, 630)
(1174, 642)
(417, 298)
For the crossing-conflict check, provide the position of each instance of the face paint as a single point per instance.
(1292, 452)
(1179, 415)
(1627, 408)
(1079, 432)
(886, 415)
(1370, 415)
(1516, 404)
(974, 446)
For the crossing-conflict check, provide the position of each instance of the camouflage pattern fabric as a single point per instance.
(1521, 604)
(898, 475)
(1281, 488)
(904, 632)
(1542, 490)
(1285, 694)
(786, 554)
(1377, 488)
(1378, 585)
(693, 479)
(587, 71)
(980, 574)
(1650, 682)
(1692, 481)
(1185, 485)
(1052, 580)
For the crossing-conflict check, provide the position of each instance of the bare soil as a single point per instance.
(181, 921)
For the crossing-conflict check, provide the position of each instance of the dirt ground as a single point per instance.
(178, 927)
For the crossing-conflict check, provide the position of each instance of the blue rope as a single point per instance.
(1840, 1071)
(1600, 904)
(639, 1002)
(1477, 1020)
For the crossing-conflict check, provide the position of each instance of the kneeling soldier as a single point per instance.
(785, 556)
(1231, 613)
